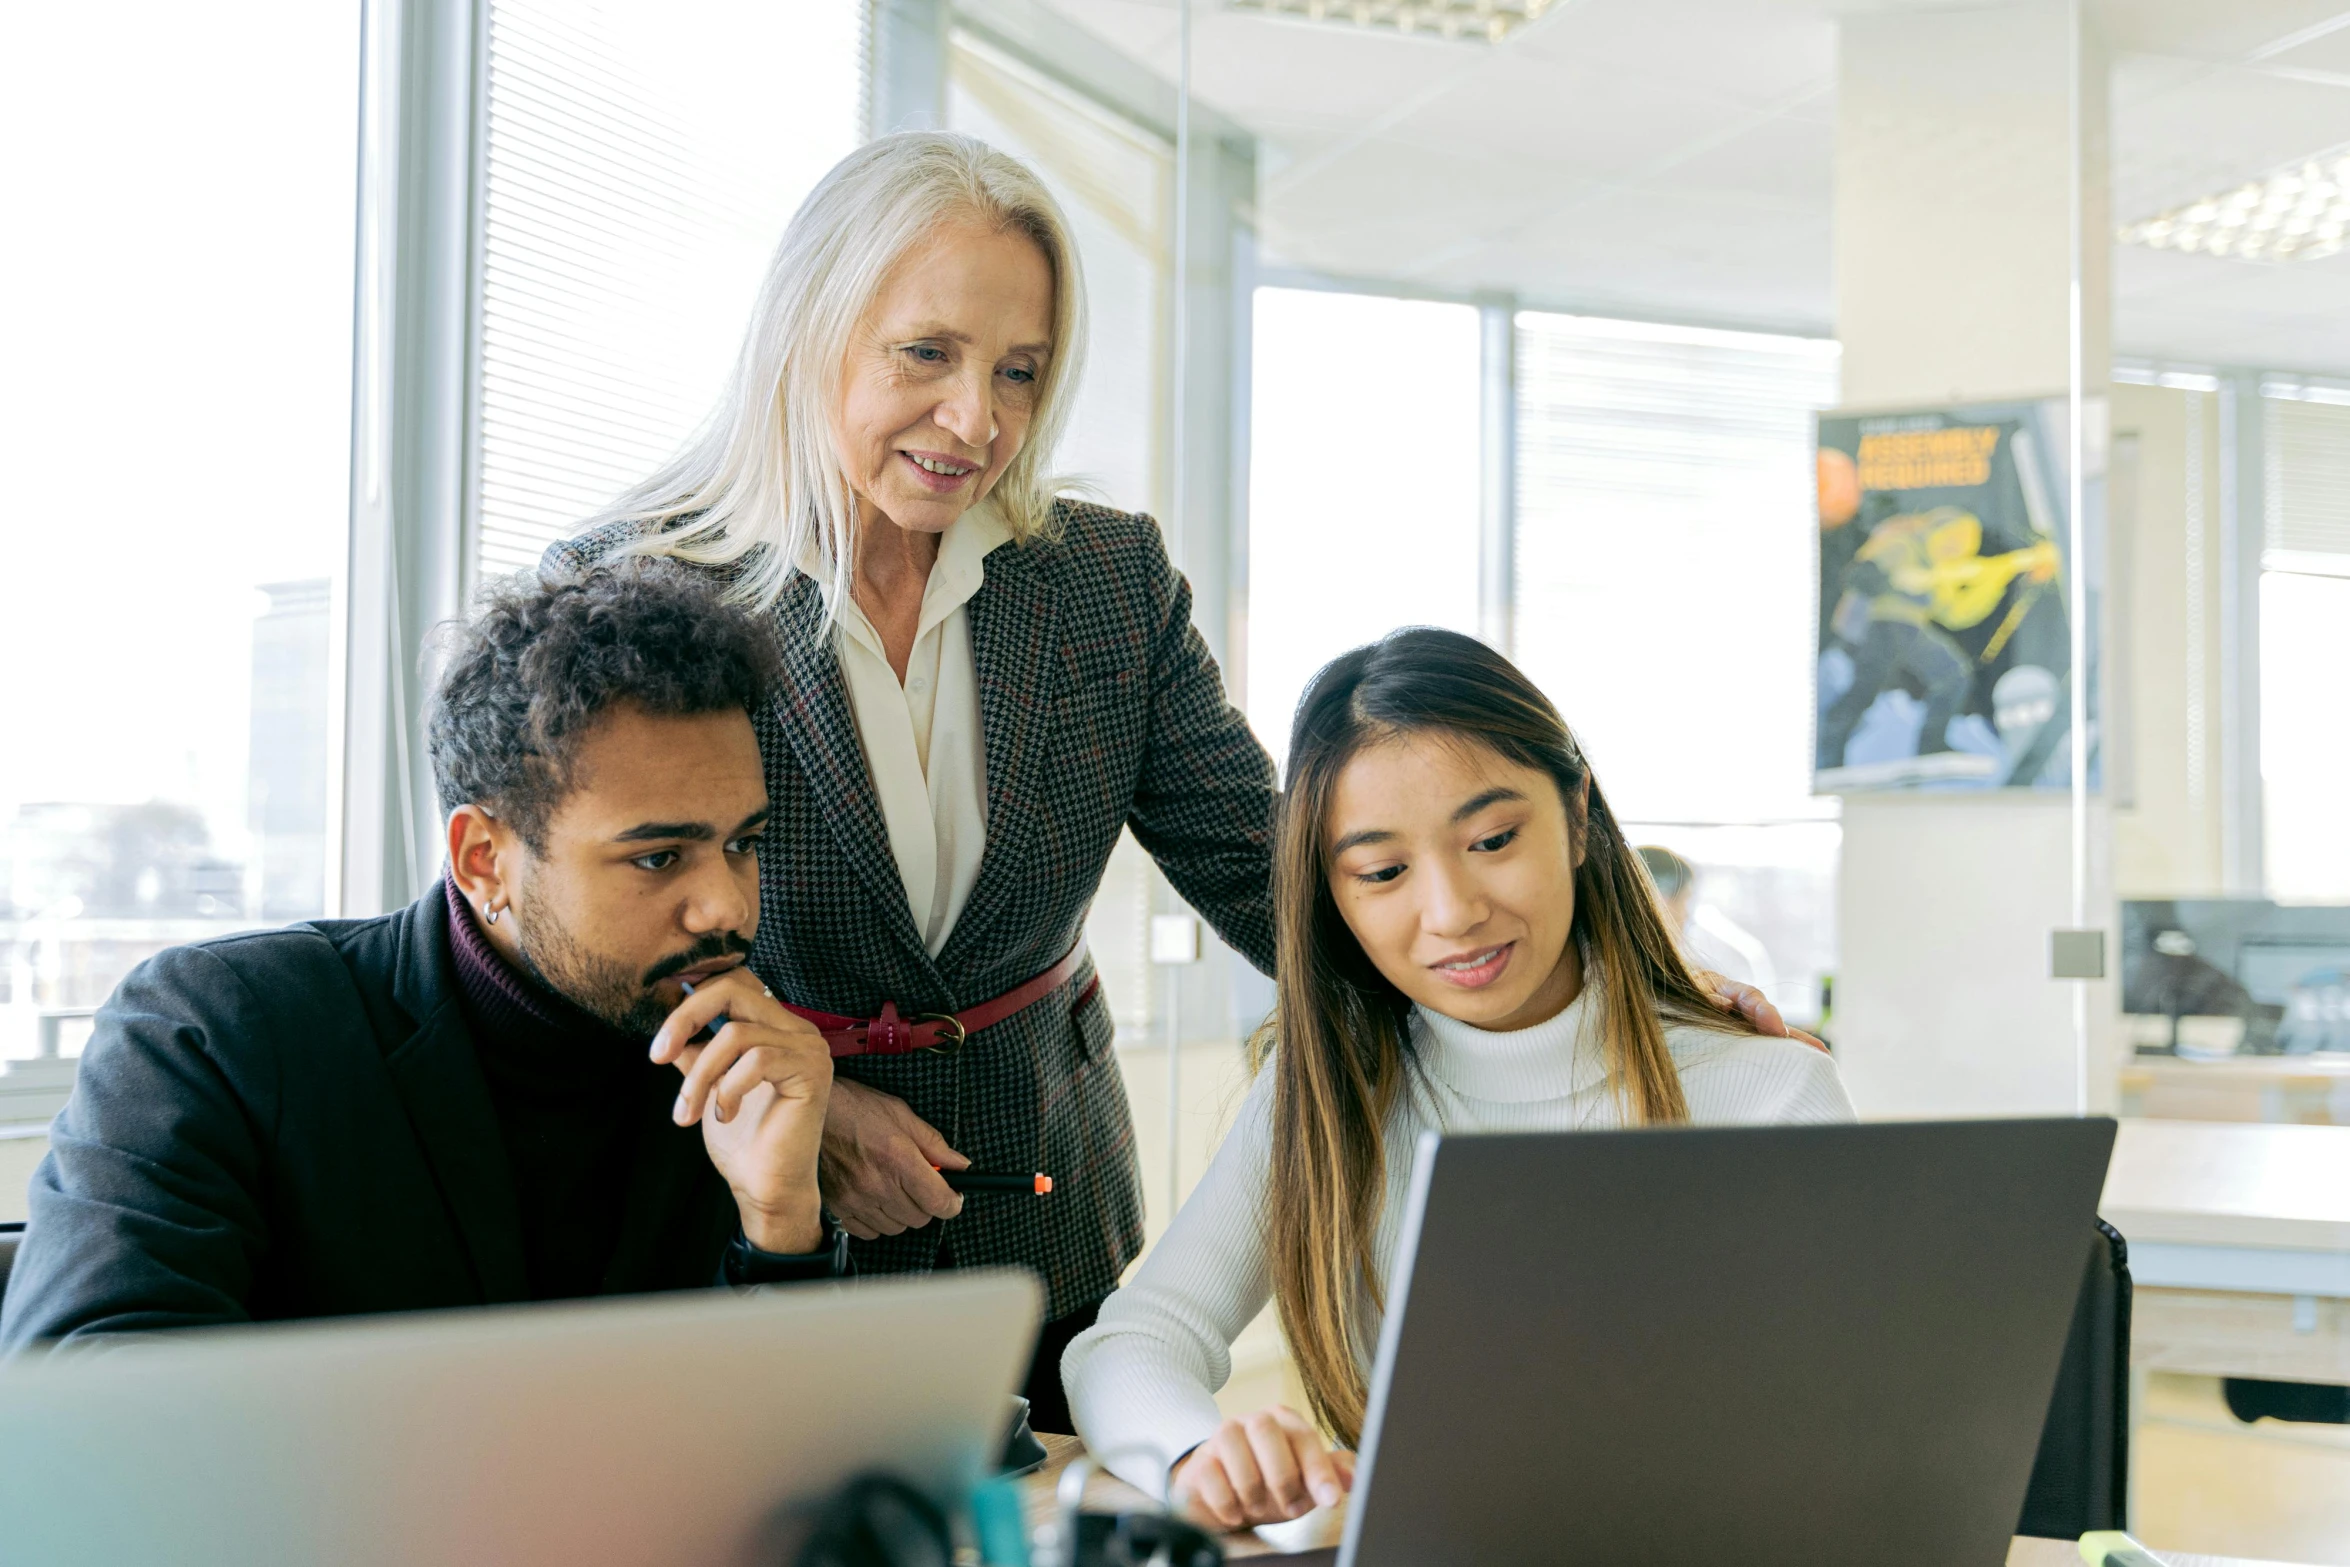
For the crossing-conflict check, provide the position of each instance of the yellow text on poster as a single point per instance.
(1927, 459)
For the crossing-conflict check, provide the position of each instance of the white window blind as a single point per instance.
(2308, 483)
(641, 159)
(1665, 557)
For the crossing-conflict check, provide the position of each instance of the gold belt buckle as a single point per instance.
(946, 1020)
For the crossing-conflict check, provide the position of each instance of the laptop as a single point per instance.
(691, 1430)
(1829, 1346)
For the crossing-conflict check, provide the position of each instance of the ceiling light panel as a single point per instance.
(1470, 21)
(2298, 213)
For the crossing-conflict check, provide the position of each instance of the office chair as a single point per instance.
(10, 1235)
(2080, 1481)
(2260, 1398)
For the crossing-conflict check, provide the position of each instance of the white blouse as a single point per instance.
(1141, 1382)
(923, 746)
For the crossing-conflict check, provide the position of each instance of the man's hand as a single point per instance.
(881, 1164)
(1268, 1468)
(760, 1088)
(1754, 1006)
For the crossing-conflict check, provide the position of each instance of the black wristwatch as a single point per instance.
(745, 1264)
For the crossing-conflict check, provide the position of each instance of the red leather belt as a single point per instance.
(893, 1035)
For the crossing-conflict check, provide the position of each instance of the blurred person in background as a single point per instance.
(1710, 939)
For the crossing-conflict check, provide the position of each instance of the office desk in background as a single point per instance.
(2239, 1246)
(2304, 1090)
(1107, 1494)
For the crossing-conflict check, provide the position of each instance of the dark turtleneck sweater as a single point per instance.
(571, 1095)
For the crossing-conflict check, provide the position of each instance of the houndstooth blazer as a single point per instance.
(1101, 708)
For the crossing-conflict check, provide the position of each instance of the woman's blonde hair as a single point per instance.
(759, 486)
(1339, 1043)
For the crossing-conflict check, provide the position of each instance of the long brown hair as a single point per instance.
(1339, 1043)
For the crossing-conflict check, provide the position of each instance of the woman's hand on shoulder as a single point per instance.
(1268, 1467)
(1733, 996)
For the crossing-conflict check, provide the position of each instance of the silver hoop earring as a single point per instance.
(491, 914)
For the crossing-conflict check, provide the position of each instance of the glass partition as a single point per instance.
(1903, 441)
(1362, 483)
(1544, 310)
(2230, 206)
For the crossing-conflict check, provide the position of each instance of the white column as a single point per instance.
(1970, 177)
(1497, 550)
(2243, 517)
(1209, 540)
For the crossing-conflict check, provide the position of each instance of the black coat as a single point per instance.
(294, 1123)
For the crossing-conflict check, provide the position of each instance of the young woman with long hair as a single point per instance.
(1466, 942)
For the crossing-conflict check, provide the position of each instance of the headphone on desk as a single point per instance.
(1077, 1538)
(881, 1521)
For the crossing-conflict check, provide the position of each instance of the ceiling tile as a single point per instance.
(2290, 317)
(1743, 51)
(2206, 29)
(2212, 131)
(2329, 52)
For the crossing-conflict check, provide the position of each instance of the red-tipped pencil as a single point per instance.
(996, 1181)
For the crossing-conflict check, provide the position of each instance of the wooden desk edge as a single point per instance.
(1107, 1493)
(2252, 1231)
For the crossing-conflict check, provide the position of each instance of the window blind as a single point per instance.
(640, 160)
(1665, 557)
(2307, 482)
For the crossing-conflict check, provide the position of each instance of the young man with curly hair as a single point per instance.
(551, 1076)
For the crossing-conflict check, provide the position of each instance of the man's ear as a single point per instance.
(482, 860)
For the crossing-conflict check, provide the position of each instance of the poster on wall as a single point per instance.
(1945, 649)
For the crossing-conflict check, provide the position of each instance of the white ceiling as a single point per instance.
(1673, 158)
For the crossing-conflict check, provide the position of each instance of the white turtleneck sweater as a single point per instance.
(1141, 1382)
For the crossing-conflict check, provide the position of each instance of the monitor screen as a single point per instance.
(2280, 971)
(2273, 970)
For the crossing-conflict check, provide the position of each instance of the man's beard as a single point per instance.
(603, 987)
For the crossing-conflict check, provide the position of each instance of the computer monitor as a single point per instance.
(2275, 973)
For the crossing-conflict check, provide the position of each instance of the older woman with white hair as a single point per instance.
(985, 683)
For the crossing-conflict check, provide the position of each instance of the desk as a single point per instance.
(2239, 1245)
(2314, 1089)
(1106, 1493)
